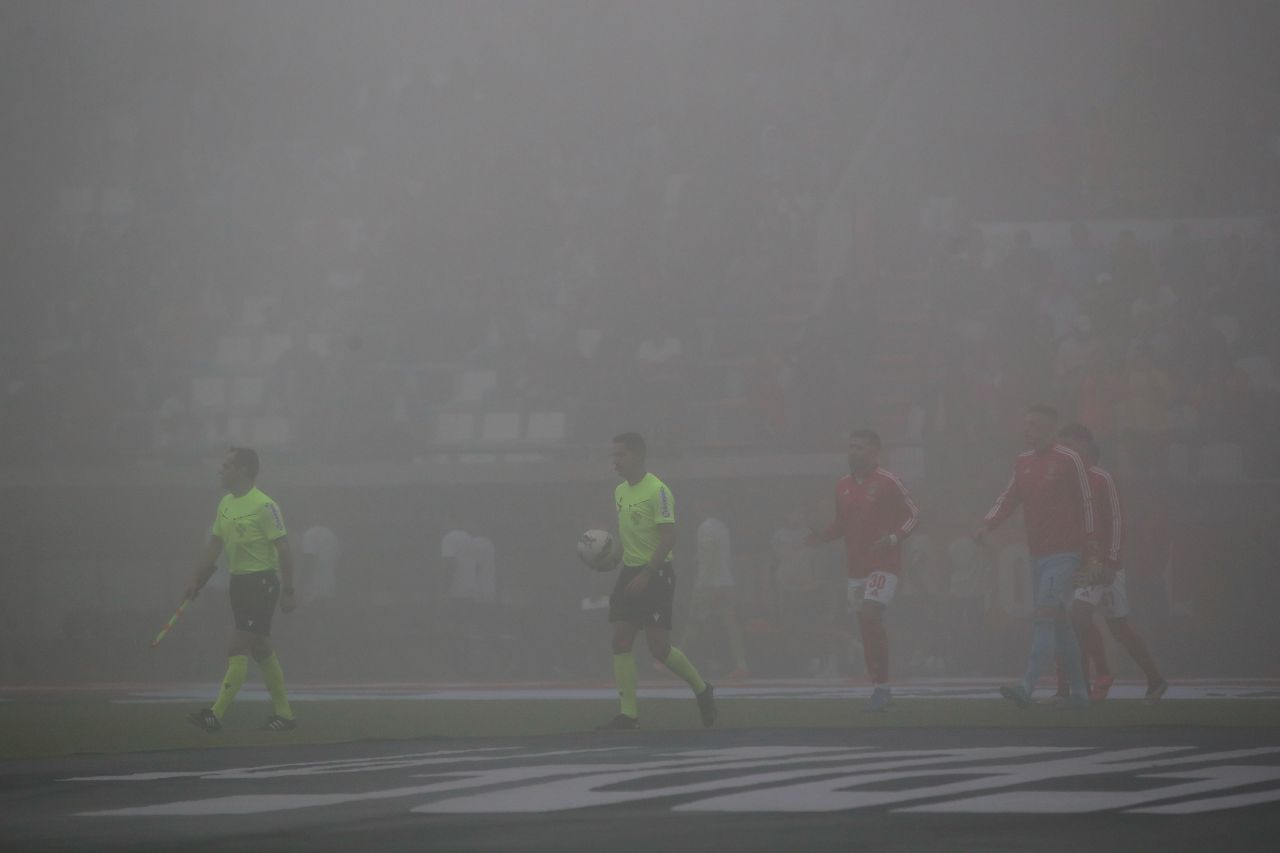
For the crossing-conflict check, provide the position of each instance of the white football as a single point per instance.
(599, 550)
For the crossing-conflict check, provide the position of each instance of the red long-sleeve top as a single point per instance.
(868, 510)
(1052, 486)
(1107, 517)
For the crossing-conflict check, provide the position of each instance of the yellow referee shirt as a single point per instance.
(641, 508)
(248, 526)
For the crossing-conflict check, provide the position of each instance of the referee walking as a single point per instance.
(642, 596)
(249, 526)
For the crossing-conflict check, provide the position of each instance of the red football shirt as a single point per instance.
(1052, 487)
(868, 510)
(1106, 515)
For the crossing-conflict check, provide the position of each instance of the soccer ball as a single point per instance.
(599, 550)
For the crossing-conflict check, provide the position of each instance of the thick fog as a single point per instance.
(429, 258)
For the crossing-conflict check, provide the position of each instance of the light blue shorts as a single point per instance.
(1052, 581)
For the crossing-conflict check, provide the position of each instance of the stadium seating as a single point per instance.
(474, 385)
(500, 427)
(454, 427)
(545, 428)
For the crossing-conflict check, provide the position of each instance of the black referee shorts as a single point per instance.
(652, 607)
(253, 601)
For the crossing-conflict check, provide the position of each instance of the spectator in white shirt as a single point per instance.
(471, 598)
(318, 579)
(714, 596)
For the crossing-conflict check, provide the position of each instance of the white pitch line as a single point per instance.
(1201, 690)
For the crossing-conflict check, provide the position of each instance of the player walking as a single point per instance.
(249, 526)
(642, 596)
(874, 513)
(1050, 483)
(1106, 592)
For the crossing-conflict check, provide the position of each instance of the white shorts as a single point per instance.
(1111, 601)
(877, 586)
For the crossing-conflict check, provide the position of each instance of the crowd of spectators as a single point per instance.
(385, 220)
(1153, 343)
(341, 228)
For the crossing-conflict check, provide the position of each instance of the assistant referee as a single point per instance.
(251, 529)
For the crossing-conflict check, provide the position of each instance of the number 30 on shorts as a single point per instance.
(880, 587)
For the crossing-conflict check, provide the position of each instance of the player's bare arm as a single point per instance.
(288, 600)
(208, 565)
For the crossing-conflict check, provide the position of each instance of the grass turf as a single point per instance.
(45, 728)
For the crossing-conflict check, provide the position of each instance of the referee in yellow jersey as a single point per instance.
(251, 529)
(642, 597)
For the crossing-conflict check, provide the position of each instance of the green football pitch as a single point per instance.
(46, 727)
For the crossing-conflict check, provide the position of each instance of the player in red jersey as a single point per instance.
(1106, 591)
(1051, 485)
(874, 513)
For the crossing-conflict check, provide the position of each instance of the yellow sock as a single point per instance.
(624, 675)
(273, 675)
(237, 671)
(679, 664)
